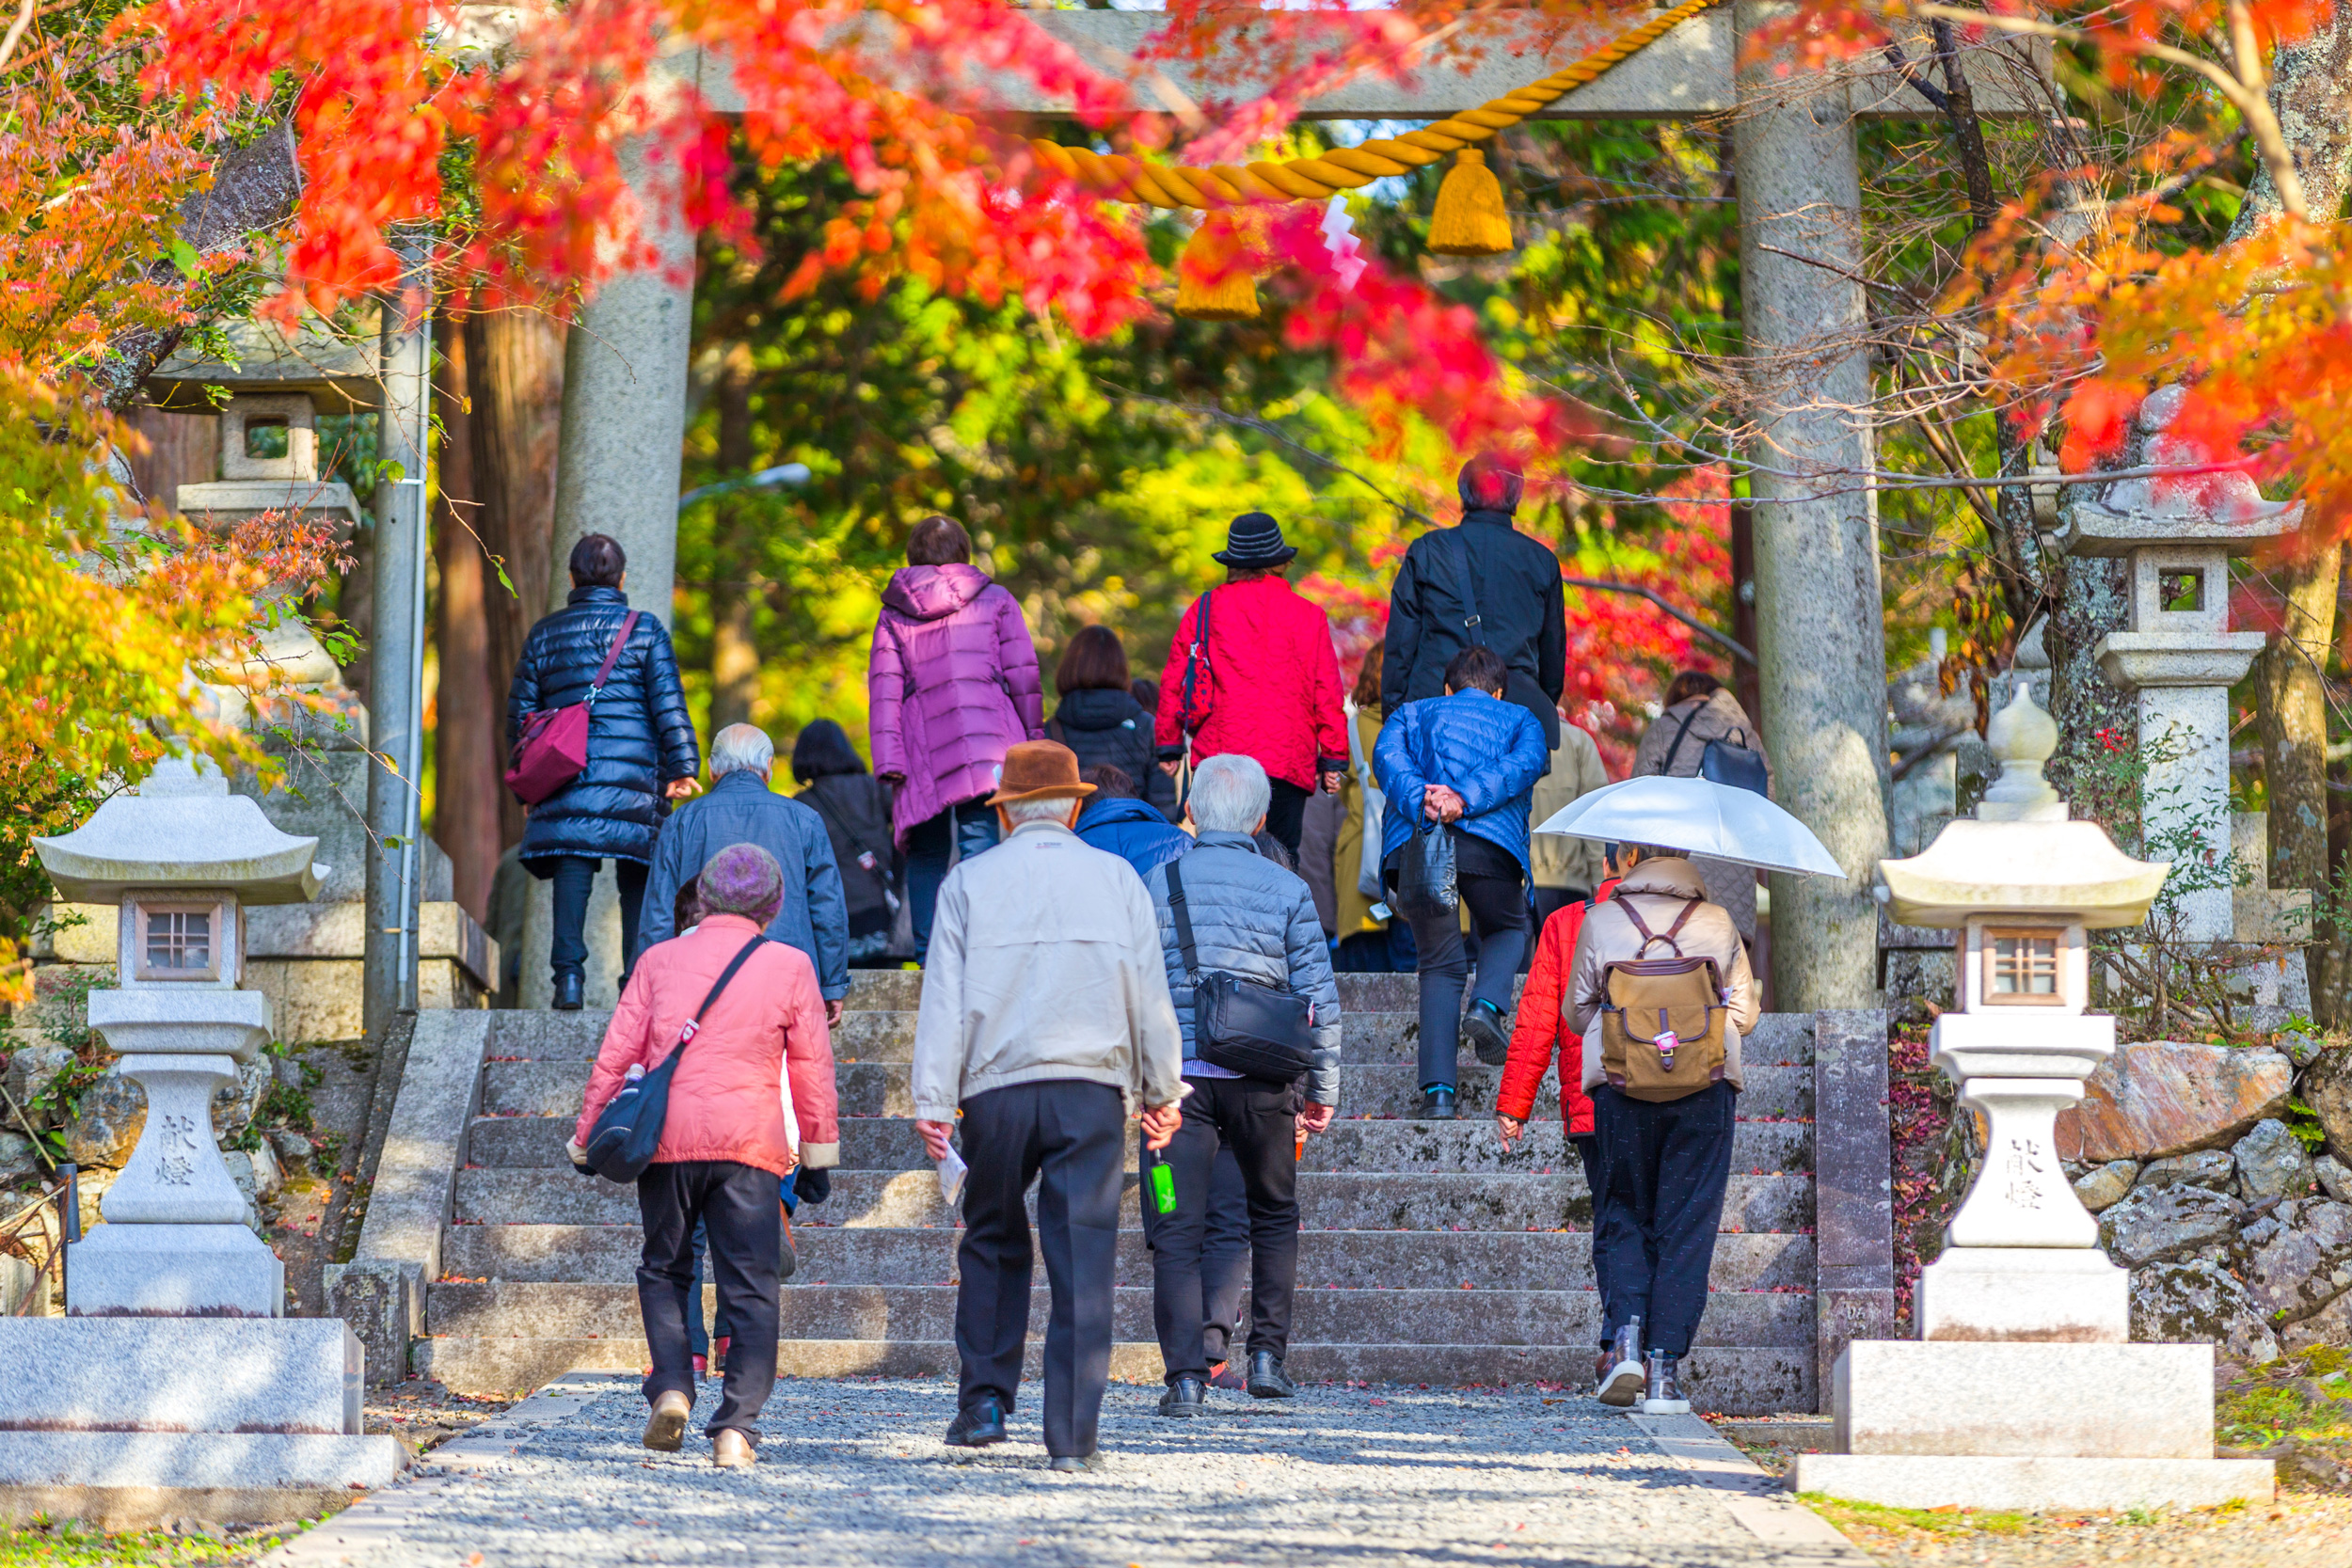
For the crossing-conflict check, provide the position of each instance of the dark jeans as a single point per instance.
(1498, 908)
(1387, 951)
(697, 1337)
(1663, 1168)
(1065, 1134)
(1224, 1249)
(567, 945)
(932, 846)
(1258, 1121)
(1286, 814)
(738, 1203)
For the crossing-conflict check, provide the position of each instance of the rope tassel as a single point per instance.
(1214, 277)
(1469, 220)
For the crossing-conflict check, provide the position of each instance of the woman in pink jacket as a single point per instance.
(761, 1049)
(953, 685)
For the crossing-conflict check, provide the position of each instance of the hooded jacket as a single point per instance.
(1273, 689)
(741, 809)
(1252, 919)
(1520, 604)
(1488, 750)
(1658, 888)
(951, 686)
(639, 734)
(1134, 831)
(1103, 726)
(725, 1101)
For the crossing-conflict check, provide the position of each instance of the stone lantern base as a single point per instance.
(136, 1423)
(2001, 1425)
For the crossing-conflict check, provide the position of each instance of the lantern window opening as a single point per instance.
(179, 942)
(266, 437)
(2022, 968)
(2180, 590)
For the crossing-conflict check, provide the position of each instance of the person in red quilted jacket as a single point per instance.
(1264, 683)
(1541, 1031)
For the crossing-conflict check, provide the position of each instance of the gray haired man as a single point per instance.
(741, 809)
(1248, 918)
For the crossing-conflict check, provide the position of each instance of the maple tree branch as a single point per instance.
(2251, 102)
(1605, 585)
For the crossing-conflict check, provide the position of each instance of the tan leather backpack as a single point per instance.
(1661, 1032)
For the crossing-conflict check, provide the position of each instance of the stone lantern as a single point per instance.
(174, 1389)
(2022, 1389)
(182, 860)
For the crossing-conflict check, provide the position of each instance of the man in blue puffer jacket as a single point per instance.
(641, 754)
(1251, 919)
(1116, 820)
(1464, 763)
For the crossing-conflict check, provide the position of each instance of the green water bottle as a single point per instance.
(1162, 1187)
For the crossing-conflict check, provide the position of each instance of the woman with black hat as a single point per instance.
(1252, 671)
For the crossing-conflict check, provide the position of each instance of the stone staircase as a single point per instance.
(1428, 1255)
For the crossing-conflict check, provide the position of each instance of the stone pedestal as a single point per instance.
(2054, 1295)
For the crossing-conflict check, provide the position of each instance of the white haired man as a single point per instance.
(1045, 1012)
(741, 809)
(1223, 907)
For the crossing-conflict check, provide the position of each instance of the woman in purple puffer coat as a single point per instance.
(951, 685)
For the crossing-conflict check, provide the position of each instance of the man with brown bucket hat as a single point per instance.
(1045, 1016)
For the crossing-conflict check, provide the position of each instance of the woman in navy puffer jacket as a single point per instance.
(951, 686)
(641, 751)
(1464, 763)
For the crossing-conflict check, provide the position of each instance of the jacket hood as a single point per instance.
(823, 748)
(1120, 808)
(1094, 709)
(596, 593)
(1668, 875)
(928, 593)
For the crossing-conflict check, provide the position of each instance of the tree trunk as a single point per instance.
(467, 785)
(1747, 678)
(516, 360)
(2090, 597)
(734, 662)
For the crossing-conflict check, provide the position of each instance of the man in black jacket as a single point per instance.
(1483, 582)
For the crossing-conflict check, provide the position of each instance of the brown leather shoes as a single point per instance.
(731, 1450)
(665, 1429)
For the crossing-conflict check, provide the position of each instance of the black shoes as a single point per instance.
(1664, 1396)
(1267, 1381)
(977, 1425)
(1488, 1034)
(1184, 1396)
(1070, 1463)
(1437, 1104)
(1618, 1374)
(571, 988)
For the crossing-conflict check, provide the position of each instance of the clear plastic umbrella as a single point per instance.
(1705, 819)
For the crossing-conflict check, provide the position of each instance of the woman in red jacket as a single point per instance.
(1541, 1031)
(1262, 681)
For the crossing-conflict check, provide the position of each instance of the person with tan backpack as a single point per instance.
(1661, 992)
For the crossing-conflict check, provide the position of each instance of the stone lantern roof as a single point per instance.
(183, 829)
(2020, 855)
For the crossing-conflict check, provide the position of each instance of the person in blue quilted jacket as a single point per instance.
(641, 754)
(1464, 765)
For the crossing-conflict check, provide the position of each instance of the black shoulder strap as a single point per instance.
(1466, 585)
(1056, 731)
(1666, 769)
(1183, 918)
(695, 1025)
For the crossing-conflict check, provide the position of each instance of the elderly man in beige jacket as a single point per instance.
(1045, 1012)
(1663, 1164)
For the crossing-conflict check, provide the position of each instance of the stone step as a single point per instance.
(1343, 1259)
(1735, 1381)
(1753, 1319)
(890, 1143)
(553, 1088)
(1327, 1201)
(1371, 1037)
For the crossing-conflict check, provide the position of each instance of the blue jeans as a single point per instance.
(567, 944)
(961, 832)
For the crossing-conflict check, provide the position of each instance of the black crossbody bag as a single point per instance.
(628, 1130)
(1238, 1024)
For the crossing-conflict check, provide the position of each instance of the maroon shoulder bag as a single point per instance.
(553, 746)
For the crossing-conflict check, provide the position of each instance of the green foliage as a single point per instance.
(2305, 1124)
(63, 1543)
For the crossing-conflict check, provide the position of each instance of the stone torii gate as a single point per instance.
(1820, 623)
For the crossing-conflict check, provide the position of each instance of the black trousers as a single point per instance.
(1497, 910)
(1663, 1168)
(567, 944)
(737, 1205)
(1286, 814)
(1224, 1249)
(1258, 1121)
(1067, 1135)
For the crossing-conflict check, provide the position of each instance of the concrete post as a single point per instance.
(1820, 629)
(396, 683)
(625, 365)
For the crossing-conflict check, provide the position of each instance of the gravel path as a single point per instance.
(853, 1473)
